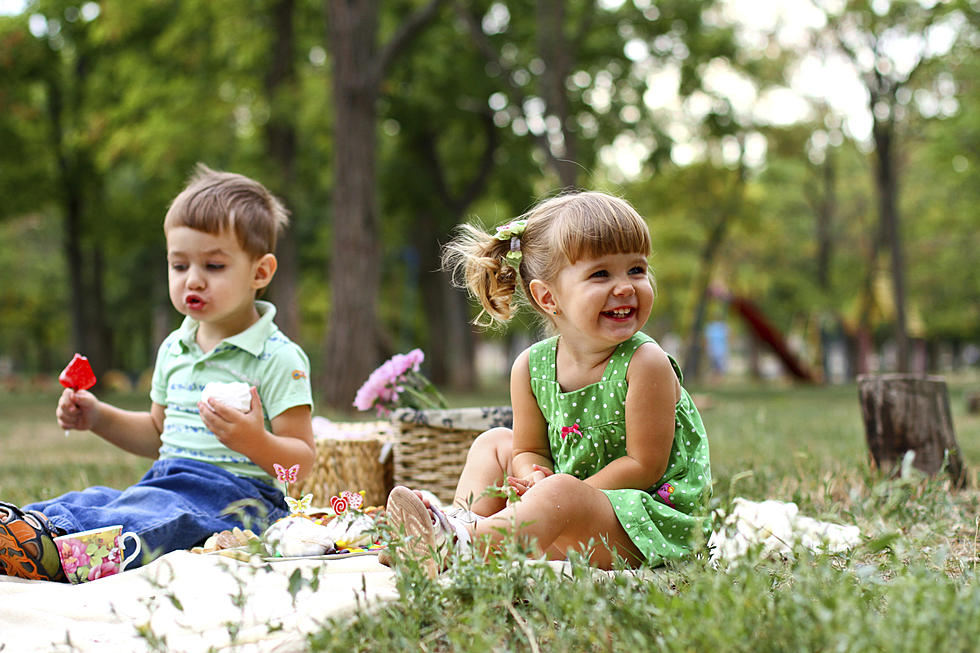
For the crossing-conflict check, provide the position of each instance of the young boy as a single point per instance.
(221, 233)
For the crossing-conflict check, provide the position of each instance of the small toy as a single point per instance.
(77, 375)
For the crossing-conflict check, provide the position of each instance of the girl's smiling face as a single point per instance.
(212, 279)
(607, 298)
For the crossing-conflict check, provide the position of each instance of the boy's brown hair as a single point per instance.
(214, 201)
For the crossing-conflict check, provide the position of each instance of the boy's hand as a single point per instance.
(243, 432)
(77, 409)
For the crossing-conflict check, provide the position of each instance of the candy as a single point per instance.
(235, 394)
(78, 375)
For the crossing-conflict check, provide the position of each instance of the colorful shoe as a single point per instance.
(428, 530)
(27, 548)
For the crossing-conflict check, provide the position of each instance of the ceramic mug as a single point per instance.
(95, 553)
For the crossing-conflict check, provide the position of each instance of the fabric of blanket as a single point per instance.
(190, 600)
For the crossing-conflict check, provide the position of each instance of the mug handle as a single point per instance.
(122, 546)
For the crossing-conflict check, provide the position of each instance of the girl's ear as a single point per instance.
(543, 296)
(265, 269)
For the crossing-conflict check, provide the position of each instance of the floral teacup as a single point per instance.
(96, 553)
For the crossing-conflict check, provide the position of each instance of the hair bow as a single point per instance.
(512, 231)
(573, 429)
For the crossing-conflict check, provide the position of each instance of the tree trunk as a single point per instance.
(886, 187)
(351, 347)
(555, 52)
(904, 413)
(280, 138)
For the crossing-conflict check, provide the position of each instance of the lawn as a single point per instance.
(910, 587)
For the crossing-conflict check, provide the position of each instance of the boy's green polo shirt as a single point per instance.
(261, 356)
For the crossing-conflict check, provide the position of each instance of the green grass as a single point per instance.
(911, 586)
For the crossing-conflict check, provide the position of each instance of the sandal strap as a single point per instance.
(449, 526)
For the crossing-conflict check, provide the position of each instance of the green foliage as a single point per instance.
(146, 89)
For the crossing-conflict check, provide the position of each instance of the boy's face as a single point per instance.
(212, 279)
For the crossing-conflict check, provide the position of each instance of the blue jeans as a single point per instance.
(177, 505)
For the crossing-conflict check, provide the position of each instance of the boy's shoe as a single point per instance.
(429, 531)
(27, 548)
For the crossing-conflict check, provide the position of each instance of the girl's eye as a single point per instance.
(599, 274)
(638, 270)
(216, 266)
(178, 267)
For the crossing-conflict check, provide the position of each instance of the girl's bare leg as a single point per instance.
(560, 513)
(487, 464)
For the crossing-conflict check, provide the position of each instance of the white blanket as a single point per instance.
(190, 600)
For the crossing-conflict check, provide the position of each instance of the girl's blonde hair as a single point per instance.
(214, 201)
(560, 231)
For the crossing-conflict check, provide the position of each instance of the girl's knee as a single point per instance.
(561, 485)
(498, 442)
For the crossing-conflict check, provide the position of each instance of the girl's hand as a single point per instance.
(523, 484)
(243, 432)
(77, 409)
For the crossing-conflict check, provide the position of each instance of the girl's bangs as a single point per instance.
(608, 233)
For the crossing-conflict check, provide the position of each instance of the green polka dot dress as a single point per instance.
(587, 431)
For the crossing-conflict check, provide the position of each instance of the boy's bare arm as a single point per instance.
(137, 432)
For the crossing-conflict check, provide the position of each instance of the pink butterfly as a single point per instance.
(286, 475)
(573, 429)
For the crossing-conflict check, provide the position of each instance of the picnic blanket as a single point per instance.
(191, 602)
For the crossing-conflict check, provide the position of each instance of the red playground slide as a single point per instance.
(771, 336)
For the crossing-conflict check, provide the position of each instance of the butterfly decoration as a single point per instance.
(299, 506)
(573, 429)
(346, 500)
(286, 475)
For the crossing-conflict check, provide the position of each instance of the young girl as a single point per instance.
(608, 452)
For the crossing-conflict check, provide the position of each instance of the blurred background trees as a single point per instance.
(844, 211)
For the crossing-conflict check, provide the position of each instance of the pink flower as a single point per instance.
(398, 381)
(73, 555)
(106, 568)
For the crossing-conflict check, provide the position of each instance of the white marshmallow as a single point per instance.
(236, 394)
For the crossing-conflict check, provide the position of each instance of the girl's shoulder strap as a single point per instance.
(541, 358)
(640, 338)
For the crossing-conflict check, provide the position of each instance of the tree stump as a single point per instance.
(905, 412)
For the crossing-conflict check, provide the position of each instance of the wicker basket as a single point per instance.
(351, 456)
(431, 445)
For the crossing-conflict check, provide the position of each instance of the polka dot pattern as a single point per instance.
(660, 530)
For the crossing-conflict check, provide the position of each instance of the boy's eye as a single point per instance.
(216, 266)
(179, 267)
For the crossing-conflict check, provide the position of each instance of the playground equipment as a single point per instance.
(767, 333)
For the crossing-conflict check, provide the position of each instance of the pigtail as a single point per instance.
(476, 260)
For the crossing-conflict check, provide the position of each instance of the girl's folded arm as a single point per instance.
(651, 397)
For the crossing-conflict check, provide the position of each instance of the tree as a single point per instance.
(359, 68)
(889, 44)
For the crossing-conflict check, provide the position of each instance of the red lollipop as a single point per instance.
(78, 375)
